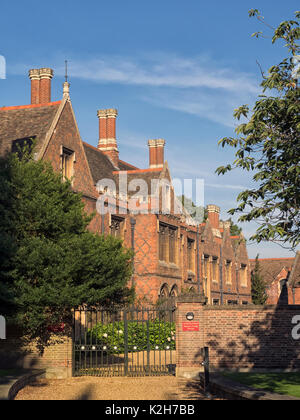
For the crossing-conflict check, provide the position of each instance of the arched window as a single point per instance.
(192, 291)
(164, 292)
(174, 291)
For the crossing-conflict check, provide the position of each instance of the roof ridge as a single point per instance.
(140, 170)
(11, 108)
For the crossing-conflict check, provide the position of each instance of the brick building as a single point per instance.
(172, 254)
(282, 276)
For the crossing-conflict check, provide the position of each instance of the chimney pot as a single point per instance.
(107, 134)
(34, 75)
(40, 85)
(46, 75)
(156, 153)
(214, 215)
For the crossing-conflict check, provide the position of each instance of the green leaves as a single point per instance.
(49, 262)
(258, 286)
(269, 145)
(111, 336)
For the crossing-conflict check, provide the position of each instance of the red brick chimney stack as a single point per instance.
(214, 215)
(156, 153)
(107, 134)
(34, 76)
(152, 153)
(45, 85)
(40, 85)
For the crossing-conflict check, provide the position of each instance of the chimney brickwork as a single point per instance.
(107, 134)
(156, 153)
(40, 85)
(214, 215)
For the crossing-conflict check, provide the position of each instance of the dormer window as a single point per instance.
(67, 163)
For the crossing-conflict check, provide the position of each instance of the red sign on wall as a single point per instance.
(190, 326)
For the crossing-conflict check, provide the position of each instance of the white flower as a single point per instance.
(134, 348)
(156, 348)
(115, 348)
(168, 348)
(173, 338)
(120, 332)
(105, 335)
(169, 339)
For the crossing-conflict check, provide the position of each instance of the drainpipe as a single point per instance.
(221, 276)
(132, 223)
(238, 282)
(198, 262)
(294, 296)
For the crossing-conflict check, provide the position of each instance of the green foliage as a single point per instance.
(235, 230)
(268, 143)
(49, 262)
(111, 336)
(258, 286)
(196, 212)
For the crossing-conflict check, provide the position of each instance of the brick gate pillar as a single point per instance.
(189, 335)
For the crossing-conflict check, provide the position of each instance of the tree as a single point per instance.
(268, 143)
(258, 286)
(198, 213)
(49, 262)
(235, 230)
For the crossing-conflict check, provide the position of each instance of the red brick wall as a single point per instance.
(240, 338)
(188, 344)
(56, 358)
(66, 135)
(294, 296)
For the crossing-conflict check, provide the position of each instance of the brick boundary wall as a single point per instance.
(239, 338)
(56, 358)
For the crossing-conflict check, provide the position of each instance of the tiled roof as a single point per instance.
(146, 176)
(100, 165)
(124, 166)
(27, 121)
(271, 267)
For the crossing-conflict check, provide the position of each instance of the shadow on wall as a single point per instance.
(254, 338)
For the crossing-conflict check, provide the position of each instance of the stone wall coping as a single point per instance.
(192, 299)
(252, 308)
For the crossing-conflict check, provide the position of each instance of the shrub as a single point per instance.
(111, 337)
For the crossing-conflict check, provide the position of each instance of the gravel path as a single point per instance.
(123, 388)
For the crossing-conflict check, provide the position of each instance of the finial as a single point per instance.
(66, 84)
(66, 71)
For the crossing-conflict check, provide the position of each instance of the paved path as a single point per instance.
(117, 388)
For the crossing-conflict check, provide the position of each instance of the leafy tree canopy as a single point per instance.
(49, 262)
(268, 143)
(258, 285)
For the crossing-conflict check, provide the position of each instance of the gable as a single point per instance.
(270, 268)
(66, 135)
(227, 248)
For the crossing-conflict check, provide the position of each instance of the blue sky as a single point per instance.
(174, 69)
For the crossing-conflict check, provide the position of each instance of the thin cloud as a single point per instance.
(157, 69)
(226, 186)
(162, 71)
(198, 85)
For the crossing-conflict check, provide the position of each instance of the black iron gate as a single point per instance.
(124, 342)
